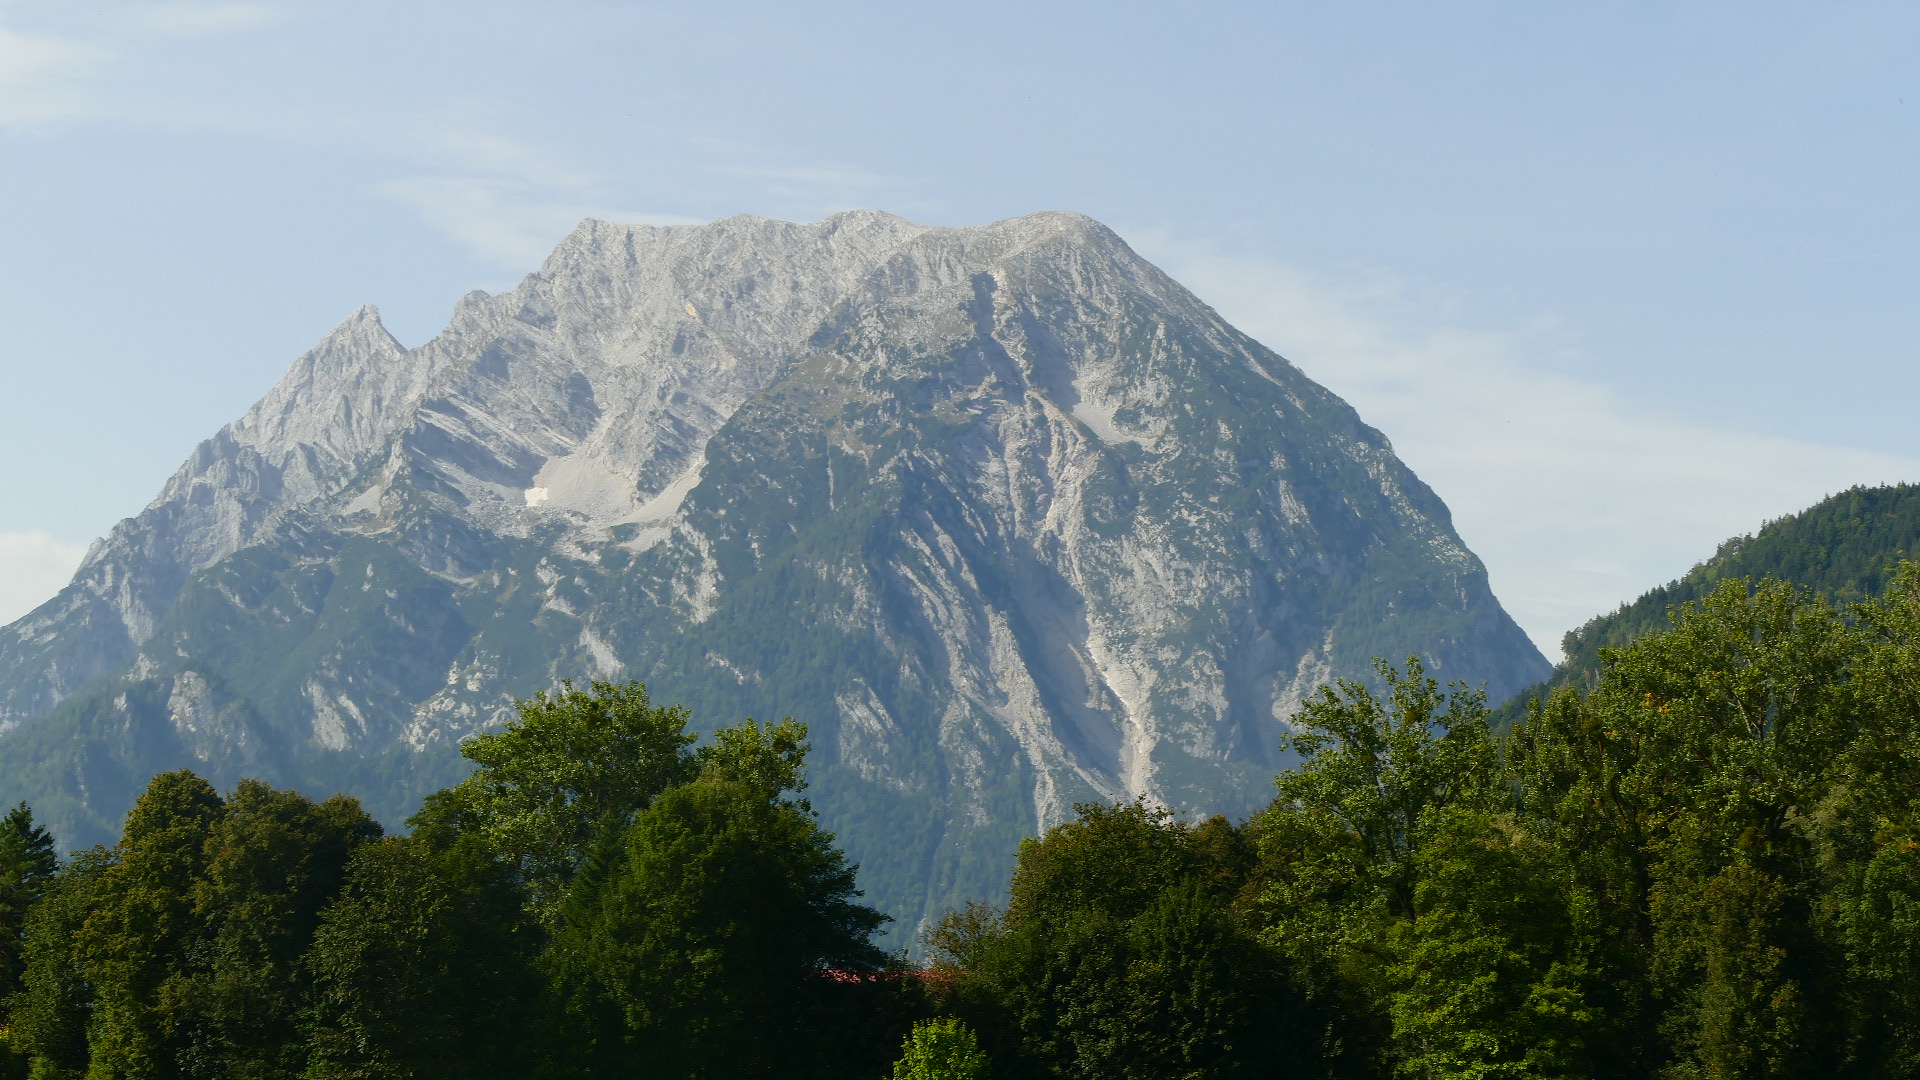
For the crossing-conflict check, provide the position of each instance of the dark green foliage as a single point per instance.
(1845, 548)
(1488, 976)
(424, 966)
(1116, 860)
(766, 759)
(599, 893)
(1739, 710)
(1871, 841)
(1372, 772)
(1707, 865)
(1120, 955)
(51, 1015)
(274, 861)
(700, 939)
(1733, 799)
(181, 951)
(1878, 919)
(136, 946)
(27, 865)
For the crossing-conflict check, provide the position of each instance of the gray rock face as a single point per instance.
(1005, 514)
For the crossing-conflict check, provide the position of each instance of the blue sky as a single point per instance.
(1618, 280)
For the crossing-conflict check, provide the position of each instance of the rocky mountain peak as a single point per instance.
(1005, 514)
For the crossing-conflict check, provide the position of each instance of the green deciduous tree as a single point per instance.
(1343, 847)
(574, 767)
(1708, 865)
(424, 967)
(1113, 859)
(52, 1012)
(1720, 797)
(766, 758)
(703, 930)
(274, 860)
(1737, 716)
(1489, 977)
(181, 953)
(1870, 825)
(1372, 771)
(1584, 791)
(941, 1049)
(1877, 910)
(135, 946)
(706, 925)
(1120, 954)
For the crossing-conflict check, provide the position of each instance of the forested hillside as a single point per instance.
(1843, 548)
(1704, 866)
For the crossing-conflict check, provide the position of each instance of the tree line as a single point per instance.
(1844, 548)
(1707, 865)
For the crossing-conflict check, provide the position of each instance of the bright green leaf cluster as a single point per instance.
(942, 1049)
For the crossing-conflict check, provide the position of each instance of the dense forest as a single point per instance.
(1705, 864)
(1842, 548)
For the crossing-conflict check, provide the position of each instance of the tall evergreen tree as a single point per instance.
(27, 866)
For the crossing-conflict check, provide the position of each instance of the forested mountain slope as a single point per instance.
(1844, 548)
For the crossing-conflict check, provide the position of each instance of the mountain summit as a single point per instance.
(1006, 515)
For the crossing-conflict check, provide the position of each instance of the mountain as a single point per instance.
(1843, 548)
(1006, 515)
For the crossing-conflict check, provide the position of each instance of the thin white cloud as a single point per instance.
(49, 76)
(188, 20)
(1577, 498)
(816, 187)
(507, 222)
(465, 136)
(459, 161)
(43, 76)
(832, 187)
(505, 199)
(33, 567)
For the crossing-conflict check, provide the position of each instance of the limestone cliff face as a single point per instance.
(1005, 514)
